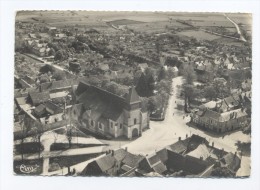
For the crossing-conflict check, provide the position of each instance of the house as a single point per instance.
(152, 163)
(38, 97)
(231, 161)
(40, 110)
(110, 115)
(204, 71)
(114, 163)
(32, 36)
(219, 122)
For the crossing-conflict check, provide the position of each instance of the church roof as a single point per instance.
(132, 97)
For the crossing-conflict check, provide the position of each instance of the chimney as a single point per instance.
(186, 136)
(212, 144)
(179, 138)
(126, 148)
(113, 153)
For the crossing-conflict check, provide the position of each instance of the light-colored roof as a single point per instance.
(59, 94)
(226, 116)
(210, 105)
(202, 151)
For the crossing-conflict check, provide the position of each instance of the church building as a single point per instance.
(110, 115)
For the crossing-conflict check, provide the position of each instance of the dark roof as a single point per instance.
(106, 162)
(132, 160)
(40, 97)
(107, 104)
(180, 146)
(56, 109)
(39, 109)
(24, 92)
(163, 155)
(211, 114)
(231, 102)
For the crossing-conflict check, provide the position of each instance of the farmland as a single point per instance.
(200, 35)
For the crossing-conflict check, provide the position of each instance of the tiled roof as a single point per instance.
(232, 161)
(106, 162)
(163, 155)
(160, 168)
(132, 160)
(39, 109)
(120, 154)
(179, 147)
(211, 114)
(200, 152)
(132, 96)
(153, 159)
(56, 109)
(231, 102)
(234, 114)
(109, 105)
(40, 97)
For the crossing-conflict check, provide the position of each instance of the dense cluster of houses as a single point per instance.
(225, 114)
(191, 157)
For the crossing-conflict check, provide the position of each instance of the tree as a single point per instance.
(127, 80)
(46, 68)
(61, 55)
(94, 81)
(182, 53)
(150, 85)
(44, 78)
(170, 72)
(221, 89)
(210, 92)
(188, 95)
(189, 74)
(37, 131)
(69, 135)
(162, 74)
(164, 86)
(59, 75)
(142, 87)
(137, 76)
(51, 52)
(154, 102)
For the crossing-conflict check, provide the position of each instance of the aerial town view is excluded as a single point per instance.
(132, 94)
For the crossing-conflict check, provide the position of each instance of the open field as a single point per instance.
(228, 41)
(124, 22)
(200, 35)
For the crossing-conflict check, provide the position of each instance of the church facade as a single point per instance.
(107, 114)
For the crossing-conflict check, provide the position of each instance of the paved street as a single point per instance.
(163, 133)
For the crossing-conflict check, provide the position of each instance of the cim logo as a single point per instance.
(27, 169)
